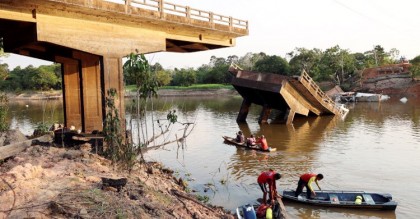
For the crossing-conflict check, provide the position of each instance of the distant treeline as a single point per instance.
(333, 64)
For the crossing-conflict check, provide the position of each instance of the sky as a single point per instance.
(277, 27)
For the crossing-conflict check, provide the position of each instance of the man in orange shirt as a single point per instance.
(263, 141)
(306, 180)
(268, 178)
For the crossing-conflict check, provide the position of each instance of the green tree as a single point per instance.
(184, 77)
(156, 67)
(202, 72)
(272, 64)
(217, 73)
(415, 60)
(43, 79)
(304, 59)
(360, 61)
(137, 71)
(415, 66)
(248, 61)
(336, 64)
(163, 77)
(4, 72)
(376, 57)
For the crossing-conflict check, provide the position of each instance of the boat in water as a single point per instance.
(368, 97)
(257, 147)
(344, 199)
(262, 211)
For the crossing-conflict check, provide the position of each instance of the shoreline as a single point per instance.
(54, 95)
(56, 181)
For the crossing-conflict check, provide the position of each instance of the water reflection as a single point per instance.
(26, 114)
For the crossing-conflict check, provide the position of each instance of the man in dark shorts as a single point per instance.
(268, 179)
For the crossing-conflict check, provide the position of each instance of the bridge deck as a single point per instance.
(299, 95)
(90, 37)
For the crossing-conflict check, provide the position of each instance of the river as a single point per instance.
(375, 148)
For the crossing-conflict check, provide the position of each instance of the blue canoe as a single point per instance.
(344, 199)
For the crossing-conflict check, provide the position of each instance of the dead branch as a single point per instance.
(177, 193)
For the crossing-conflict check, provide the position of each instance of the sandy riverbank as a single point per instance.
(54, 182)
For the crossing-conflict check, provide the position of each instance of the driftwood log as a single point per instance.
(15, 148)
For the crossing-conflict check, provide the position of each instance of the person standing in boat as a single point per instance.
(263, 141)
(240, 137)
(306, 180)
(268, 179)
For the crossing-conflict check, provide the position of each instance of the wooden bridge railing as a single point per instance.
(185, 11)
(314, 89)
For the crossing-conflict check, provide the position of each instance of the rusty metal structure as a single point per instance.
(90, 37)
(290, 95)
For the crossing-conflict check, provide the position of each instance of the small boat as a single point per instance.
(249, 211)
(368, 97)
(243, 144)
(344, 199)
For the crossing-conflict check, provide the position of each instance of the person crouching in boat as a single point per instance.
(251, 141)
(240, 138)
(268, 178)
(263, 141)
(306, 180)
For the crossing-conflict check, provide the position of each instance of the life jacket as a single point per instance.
(307, 176)
(262, 210)
(263, 142)
(266, 177)
(358, 200)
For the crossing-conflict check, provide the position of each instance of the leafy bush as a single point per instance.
(41, 129)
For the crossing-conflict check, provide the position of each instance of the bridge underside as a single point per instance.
(90, 37)
(273, 91)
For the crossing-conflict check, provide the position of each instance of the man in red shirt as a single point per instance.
(268, 178)
(306, 180)
(263, 141)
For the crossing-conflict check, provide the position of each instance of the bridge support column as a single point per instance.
(114, 78)
(243, 112)
(86, 80)
(265, 114)
(72, 94)
(290, 116)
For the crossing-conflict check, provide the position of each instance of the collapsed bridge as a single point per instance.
(290, 95)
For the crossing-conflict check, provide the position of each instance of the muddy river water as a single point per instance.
(376, 148)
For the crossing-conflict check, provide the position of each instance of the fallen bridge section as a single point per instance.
(290, 95)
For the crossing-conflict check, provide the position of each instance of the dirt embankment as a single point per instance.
(53, 182)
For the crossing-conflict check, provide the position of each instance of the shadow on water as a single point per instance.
(289, 140)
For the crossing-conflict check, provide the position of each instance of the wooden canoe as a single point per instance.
(344, 199)
(243, 144)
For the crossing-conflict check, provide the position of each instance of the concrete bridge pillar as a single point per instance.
(86, 79)
(290, 116)
(265, 114)
(243, 112)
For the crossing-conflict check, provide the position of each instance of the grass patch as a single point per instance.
(192, 87)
